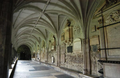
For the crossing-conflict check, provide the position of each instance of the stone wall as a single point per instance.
(52, 57)
(98, 39)
(107, 37)
(43, 55)
(73, 61)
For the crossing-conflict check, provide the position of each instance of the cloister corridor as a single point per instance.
(59, 38)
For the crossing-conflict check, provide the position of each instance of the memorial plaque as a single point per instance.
(94, 48)
(69, 49)
(77, 45)
(113, 34)
(94, 40)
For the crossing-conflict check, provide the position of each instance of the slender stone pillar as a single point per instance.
(10, 56)
(58, 55)
(40, 55)
(14, 53)
(47, 50)
(84, 57)
(88, 57)
(36, 56)
(5, 36)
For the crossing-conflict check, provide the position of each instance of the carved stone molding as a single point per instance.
(113, 17)
(100, 21)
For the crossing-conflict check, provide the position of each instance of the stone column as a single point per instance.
(63, 53)
(10, 56)
(40, 55)
(84, 56)
(36, 55)
(6, 12)
(13, 54)
(58, 55)
(47, 50)
(88, 56)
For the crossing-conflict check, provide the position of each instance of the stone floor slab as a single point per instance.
(31, 69)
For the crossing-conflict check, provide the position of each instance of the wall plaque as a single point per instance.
(113, 37)
(94, 40)
(77, 45)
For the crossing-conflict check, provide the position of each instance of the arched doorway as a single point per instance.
(24, 53)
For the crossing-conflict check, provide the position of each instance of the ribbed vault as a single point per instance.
(35, 20)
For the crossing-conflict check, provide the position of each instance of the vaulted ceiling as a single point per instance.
(35, 20)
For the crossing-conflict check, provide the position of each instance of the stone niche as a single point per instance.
(77, 46)
(54, 59)
(63, 51)
(67, 35)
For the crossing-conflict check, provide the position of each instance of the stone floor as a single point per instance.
(31, 69)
